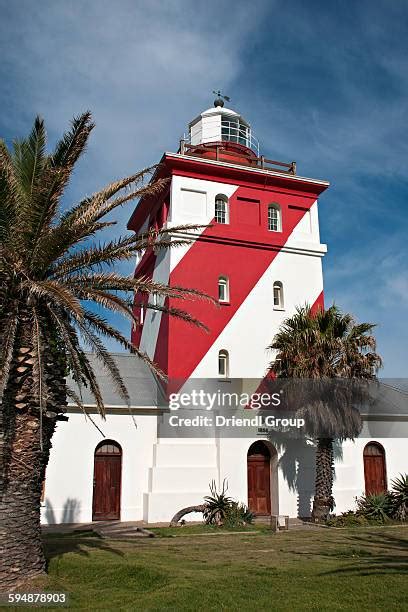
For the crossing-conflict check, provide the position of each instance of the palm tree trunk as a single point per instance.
(20, 497)
(25, 443)
(323, 501)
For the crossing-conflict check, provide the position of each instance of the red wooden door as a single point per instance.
(374, 469)
(107, 481)
(259, 479)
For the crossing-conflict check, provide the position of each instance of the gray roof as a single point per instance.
(143, 387)
(389, 398)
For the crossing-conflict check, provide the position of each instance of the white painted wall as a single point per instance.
(153, 317)
(181, 186)
(69, 477)
(256, 321)
(159, 477)
(349, 481)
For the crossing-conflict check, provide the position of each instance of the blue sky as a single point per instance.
(322, 83)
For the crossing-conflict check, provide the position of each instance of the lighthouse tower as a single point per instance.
(259, 256)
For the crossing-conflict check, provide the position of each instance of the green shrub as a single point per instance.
(347, 519)
(399, 497)
(377, 507)
(238, 515)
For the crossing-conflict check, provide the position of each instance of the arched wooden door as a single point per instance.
(374, 468)
(107, 481)
(259, 478)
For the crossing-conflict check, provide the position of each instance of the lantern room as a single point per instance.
(219, 124)
(222, 134)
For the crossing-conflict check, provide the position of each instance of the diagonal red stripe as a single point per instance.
(240, 251)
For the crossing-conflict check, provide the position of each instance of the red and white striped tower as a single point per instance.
(260, 258)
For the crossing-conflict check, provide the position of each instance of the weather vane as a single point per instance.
(219, 101)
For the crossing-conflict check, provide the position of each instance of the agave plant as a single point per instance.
(376, 507)
(217, 504)
(399, 495)
(52, 274)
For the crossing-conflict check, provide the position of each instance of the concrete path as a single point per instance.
(130, 529)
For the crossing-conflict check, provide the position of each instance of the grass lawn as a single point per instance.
(327, 569)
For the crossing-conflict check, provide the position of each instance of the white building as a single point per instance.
(260, 257)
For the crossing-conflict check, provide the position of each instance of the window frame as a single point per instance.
(223, 281)
(223, 356)
(99, 449)
(275, 207)
(278, 285)
(218, 214)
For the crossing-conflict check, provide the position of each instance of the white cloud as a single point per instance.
(143, 68)
(307, 80)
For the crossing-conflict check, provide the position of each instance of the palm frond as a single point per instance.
(73, 351)
(97, 346)
(9, 194)
(152, 189)
(121, 249)
(80, 365)
(73, 143)
(111, 281)
(56, 176)
(77, 399)
(178, 313)
(86, 210)
(58, 293)
(107, 300)
(327, 351)
(101, 325)
(79, 403)
(30, 158)
(89, 376)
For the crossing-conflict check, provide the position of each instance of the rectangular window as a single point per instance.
(223, 290)
(220, 211)
(278, 295)
(222, 365)
(273, 220)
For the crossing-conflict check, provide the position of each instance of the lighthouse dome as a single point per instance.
(220, 124)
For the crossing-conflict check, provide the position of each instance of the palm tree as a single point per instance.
(328, 359)
(51, 271)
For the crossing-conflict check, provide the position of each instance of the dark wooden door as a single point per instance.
(259, 479)
(107, 482)
(374, 469)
